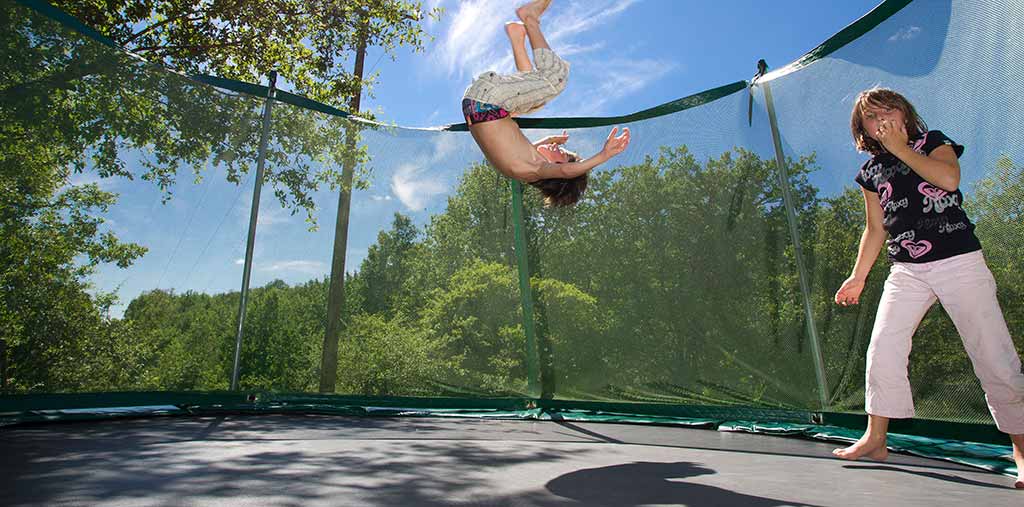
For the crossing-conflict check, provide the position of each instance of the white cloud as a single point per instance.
(444, 145)
(413, 188)
(619, 79)
(575, 49)
(476, 26)
(905, 33)
(239, 261)
(308, 267)
(475, 40)
(581, 16)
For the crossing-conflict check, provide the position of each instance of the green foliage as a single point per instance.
(674, 280)
(308, 43)
(75, 106)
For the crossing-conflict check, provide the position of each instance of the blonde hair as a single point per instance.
(887, 99)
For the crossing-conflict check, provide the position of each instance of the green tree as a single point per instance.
(72, 105)
(50, 246)
(383, 272)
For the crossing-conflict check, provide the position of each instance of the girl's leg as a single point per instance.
(1018, 457)
(905, 300)
(967, 291)
(530, 15)
(872, 444)
(517, 36)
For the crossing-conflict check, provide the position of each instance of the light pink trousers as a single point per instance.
(964, 286)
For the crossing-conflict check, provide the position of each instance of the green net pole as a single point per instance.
(525, 294)
(794, 231)
(253, 216)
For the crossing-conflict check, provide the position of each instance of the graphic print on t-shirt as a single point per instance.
(925, 222)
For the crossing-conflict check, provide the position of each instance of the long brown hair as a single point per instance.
(559, 192)
(888, 99)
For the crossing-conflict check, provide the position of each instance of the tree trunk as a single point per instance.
(336, 293)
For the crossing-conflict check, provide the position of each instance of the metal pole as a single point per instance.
(525, 293)
(253, 216)
(819, 364)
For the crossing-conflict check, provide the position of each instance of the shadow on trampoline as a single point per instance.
(930, 475)
(645, 483)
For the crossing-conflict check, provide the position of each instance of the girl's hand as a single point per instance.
(893, 136)
(615, 145)
(849, 293)
(561, 139)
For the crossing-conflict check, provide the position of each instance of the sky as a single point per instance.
(626, 56)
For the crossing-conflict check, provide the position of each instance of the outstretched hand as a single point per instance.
(559, 139)
(615, 145)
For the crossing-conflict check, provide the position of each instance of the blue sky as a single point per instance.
(626, 56)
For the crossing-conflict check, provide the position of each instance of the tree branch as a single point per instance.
(158, 25)
(186, 46)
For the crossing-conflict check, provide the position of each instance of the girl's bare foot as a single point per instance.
(1018, 458)
(869, 446)
(515, 30)
(531, 12)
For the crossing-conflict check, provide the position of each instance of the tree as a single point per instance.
(72, 105)
(308, 43)
(50, 245)
(383, 272)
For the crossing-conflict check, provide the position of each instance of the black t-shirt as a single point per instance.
(925, 223)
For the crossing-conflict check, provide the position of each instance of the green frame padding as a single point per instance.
(967, 444)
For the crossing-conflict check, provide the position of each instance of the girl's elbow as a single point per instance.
(952, 184)
(954, 179)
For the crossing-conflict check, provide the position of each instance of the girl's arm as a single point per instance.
(940, 167)
(612, 146)
(560, 139)
(872, 239)
(570, 170)
(870, 243)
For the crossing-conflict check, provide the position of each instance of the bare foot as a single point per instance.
(1018, 458)
(532, 11)
(515, 30)
(871, 447)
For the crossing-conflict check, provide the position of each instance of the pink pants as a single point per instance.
(964, 286)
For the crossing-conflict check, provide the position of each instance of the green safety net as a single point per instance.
(692, 285)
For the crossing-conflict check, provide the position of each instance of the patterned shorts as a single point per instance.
(479, 112)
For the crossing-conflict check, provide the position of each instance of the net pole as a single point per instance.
(812, 331)
(253, 217)
(525, 293)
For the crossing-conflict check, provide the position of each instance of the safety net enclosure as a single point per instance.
(691, 286)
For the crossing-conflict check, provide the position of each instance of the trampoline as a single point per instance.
(313, 460)
(671, 340)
